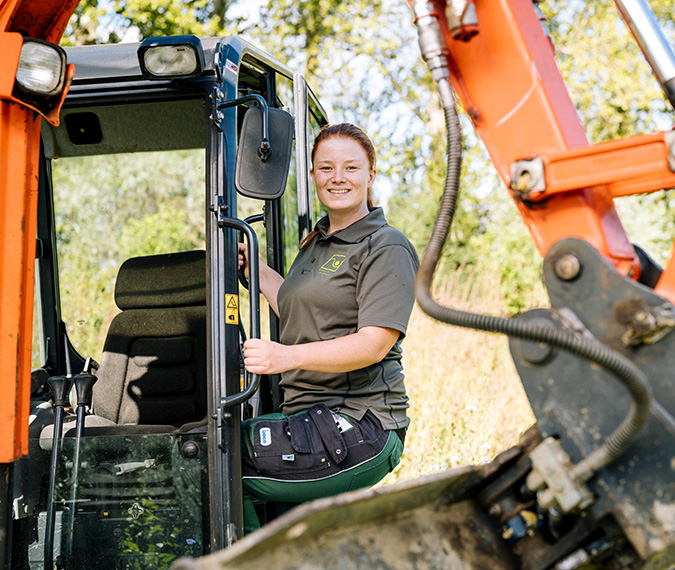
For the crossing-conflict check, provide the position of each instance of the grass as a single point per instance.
(466, 400)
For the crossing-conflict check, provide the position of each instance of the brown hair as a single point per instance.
(353, 132)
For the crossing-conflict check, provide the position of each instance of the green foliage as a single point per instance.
(160, 18)
(114, 207)
(95, 22)
(147, 543)
(160, 231)
(366, 70)
(608, 78)
(84, 25)
(650, 222)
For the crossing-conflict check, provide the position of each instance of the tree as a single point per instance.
(366, 69)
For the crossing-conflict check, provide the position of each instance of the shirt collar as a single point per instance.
(357, 231)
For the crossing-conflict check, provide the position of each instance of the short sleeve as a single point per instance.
(385, 286)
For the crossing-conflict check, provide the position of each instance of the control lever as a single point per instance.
(83, 390)
(59, 386)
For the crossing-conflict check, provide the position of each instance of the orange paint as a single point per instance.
(509, 84)
(19, 155)
(19, 143)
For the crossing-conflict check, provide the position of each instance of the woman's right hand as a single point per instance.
(243, 258)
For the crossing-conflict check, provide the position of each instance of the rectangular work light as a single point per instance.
(175, 57)
(34, 73)
(42, 69)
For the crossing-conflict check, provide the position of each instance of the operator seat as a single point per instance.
(153, 366)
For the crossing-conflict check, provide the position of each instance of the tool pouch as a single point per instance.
(278, 444)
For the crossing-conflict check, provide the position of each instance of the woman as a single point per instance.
(343, 309)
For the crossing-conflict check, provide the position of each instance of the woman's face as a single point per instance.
(342, 176)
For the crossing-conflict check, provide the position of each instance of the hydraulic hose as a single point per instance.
(617, 364)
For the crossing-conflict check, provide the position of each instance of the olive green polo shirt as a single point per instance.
(360, 276)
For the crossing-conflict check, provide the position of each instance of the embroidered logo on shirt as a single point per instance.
(265, 436)
(332, 265)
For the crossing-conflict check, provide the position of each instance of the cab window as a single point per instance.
(113, 207)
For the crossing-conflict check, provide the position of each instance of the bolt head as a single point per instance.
(190, 449)
(567, 266)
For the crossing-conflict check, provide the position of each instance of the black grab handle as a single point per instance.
(254, 294)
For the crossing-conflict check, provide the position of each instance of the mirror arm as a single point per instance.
(265, 150)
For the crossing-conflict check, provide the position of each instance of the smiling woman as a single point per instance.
(342, 179)
(343, 173)
(343, 309)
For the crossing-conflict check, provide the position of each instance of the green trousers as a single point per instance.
(314, 486)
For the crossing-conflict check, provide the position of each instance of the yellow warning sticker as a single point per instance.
(231, 309)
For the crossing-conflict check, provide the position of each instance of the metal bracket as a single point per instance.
(551, 477)
(528, 177)
(265, 149)
(220, 209)
(216, 97)
(221, 439)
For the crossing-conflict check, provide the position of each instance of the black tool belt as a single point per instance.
(316, 442)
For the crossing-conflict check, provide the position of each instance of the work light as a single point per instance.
(176, 57)
(34, 73)
(42, 69)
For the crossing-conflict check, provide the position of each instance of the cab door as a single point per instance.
(277, 225)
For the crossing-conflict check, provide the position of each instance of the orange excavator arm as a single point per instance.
(502, 68)
(19, 153)
(611, 306)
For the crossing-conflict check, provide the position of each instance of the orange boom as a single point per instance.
(22, 101)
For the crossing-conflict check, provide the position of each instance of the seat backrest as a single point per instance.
(153, 366)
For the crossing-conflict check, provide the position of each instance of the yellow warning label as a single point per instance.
(232, 309)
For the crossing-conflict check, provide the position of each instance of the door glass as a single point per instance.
(318, 210)
(110, 208)
(140, 502)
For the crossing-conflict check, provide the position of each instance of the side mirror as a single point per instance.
(264, 177)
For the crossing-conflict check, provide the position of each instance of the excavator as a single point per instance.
(591, 485)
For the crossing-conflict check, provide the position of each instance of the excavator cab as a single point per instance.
(168, 153)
